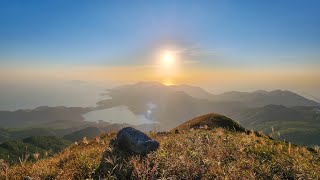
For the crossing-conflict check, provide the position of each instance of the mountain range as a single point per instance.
(294, 117)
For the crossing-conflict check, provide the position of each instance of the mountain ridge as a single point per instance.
(168, 107)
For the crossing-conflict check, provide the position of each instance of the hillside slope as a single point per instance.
(27, 148)
(211, 121)
(22, 133)
(300, 125)
(88, 132)
(190, 154)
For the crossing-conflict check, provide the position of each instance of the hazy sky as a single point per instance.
(219, 45)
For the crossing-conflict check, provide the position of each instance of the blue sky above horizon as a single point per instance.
(117, 32)
(220, 45)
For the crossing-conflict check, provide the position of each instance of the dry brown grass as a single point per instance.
(193, 154)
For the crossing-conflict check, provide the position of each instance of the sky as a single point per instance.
(219, 45)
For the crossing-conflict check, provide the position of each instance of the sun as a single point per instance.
(168, 59)
(168, 67)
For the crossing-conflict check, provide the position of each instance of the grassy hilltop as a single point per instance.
(188, 154)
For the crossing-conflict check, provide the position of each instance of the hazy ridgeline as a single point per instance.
(156, 107)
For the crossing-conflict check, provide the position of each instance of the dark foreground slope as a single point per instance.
(190, 154)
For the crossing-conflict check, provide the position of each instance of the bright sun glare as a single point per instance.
(168, 67)
(168, 59)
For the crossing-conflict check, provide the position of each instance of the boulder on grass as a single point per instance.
(134, 141)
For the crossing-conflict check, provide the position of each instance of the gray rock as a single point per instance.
(134, 141)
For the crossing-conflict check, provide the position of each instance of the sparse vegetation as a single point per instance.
(206, 154)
